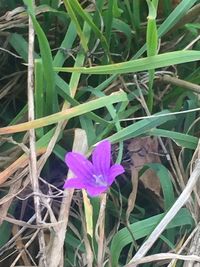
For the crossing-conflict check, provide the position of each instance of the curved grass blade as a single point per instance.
(123, 27)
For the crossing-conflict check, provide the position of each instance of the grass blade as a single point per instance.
(148, 63)
(183, 140)
(66, 114)
(140, 127)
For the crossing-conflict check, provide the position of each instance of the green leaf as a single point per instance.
(166, 183)
(183, 140)
(152, 46)
(167, 188)
(143, 64)
(74, 6)
(71, 12)
(39, 93)
(140, 127)
(175, 16)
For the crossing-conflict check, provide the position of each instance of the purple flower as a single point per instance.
(96, 176)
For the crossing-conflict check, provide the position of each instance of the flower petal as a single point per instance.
(101, 158)
(79, 165)
(115, 170)
(75, 183)
(95, 191)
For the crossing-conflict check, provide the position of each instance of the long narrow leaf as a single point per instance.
(66, 114)
(143, 64)
(183, 140)
(74, 18)
(76, 7)
(140, 127)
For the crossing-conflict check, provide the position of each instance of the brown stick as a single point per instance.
(33, 154)
(101, 228)
(165, 256)
(181, 83)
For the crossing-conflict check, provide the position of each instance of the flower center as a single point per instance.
(99, 180)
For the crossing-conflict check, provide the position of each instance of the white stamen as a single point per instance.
(99, 179)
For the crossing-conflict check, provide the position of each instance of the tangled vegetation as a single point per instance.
(72, 74)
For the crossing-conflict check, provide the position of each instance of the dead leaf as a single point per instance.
(145, 150)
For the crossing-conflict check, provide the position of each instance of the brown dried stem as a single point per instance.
(181, 83)
(32, 152)
(164, 256)
(100, 228)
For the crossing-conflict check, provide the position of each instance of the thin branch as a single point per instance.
(100, 226)
(164, 256)
(162, 115)
(33, 155)
(181, 83)
(184, 245)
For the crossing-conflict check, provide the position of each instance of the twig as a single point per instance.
(184, 245)
(192, 43)
(181, 83)
(9, 52)
(180, 202)
(162, 115)
(23, 248)
(101, 227)
(33, 155)
(131, 202)
(164, 256)
(32, 226)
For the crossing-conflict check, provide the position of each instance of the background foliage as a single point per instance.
(127, 71)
